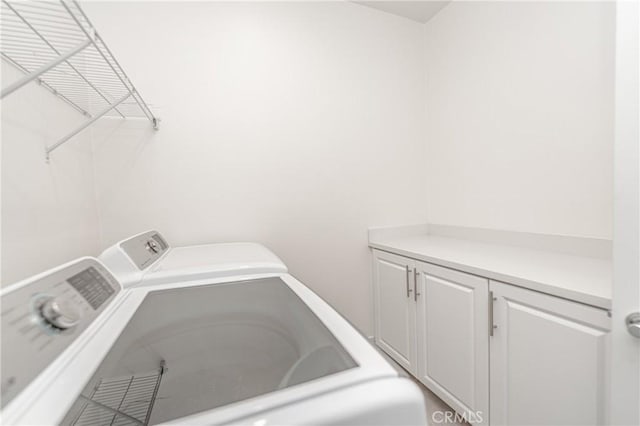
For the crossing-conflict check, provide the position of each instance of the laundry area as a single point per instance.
(320, 212)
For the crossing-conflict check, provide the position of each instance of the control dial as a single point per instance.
(60, 313)
(153, 246)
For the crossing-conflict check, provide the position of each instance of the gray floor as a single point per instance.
(433, 403)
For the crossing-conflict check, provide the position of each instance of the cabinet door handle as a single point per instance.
(408, 288)
(415, 284)
(491, 325)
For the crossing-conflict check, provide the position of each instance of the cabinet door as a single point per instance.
(394, 307)
(453, 338)
(548, 360)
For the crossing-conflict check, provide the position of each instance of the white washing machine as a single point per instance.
(78, 349)
(147, 259)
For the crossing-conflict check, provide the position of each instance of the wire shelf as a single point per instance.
(121, 401)
(54, 43)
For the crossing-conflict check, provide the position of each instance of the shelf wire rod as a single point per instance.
(32, 56)
(124, 396)
(22, 45)
(39, 8)
(27, 23)
(30, 61)
(57, 33)
(85, 125)
(62, 38)
(35, 74)
(96, 69)
(12, 31)
(69, 76)
(69, 89)
(96, 61)
(104, 82)
(65, 80)
(42, 18)
(46, 26)
(14, 27)
(136, 95)
(94, 40)
(163, 369)
(47, 86)
(51, 15)
(112, 410)
(38, 62)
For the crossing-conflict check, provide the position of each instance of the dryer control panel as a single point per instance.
(41, 317)
(145, 249)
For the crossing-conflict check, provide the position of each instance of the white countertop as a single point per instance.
(582, 279)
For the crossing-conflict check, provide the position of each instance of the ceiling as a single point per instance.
(417, 10)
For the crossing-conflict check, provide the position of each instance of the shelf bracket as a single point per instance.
(37, 73)
(32, 32)
(95, 38)
(85, 125)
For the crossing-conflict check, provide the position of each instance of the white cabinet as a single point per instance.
(453, 338)
(395, 312)
(548, 358)
(496, 353)
(433, 322)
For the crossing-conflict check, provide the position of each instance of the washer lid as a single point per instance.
(214, 260)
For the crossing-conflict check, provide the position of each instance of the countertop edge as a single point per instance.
(576, 296)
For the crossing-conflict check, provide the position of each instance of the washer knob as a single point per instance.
(60, 313)
(152, 246)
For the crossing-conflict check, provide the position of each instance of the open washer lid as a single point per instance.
(192, 349)
(147, 258)
(207, 352)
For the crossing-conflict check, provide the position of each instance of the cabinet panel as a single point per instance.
(394, 308)
(548, 360)
(452, 323)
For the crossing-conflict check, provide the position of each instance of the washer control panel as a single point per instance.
(145, 249)
(41, 317)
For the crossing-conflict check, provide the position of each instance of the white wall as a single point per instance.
(49, 211)
(520, 116)
(297, 125)
(300, 124)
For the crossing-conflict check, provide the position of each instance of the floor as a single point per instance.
(435, 406)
